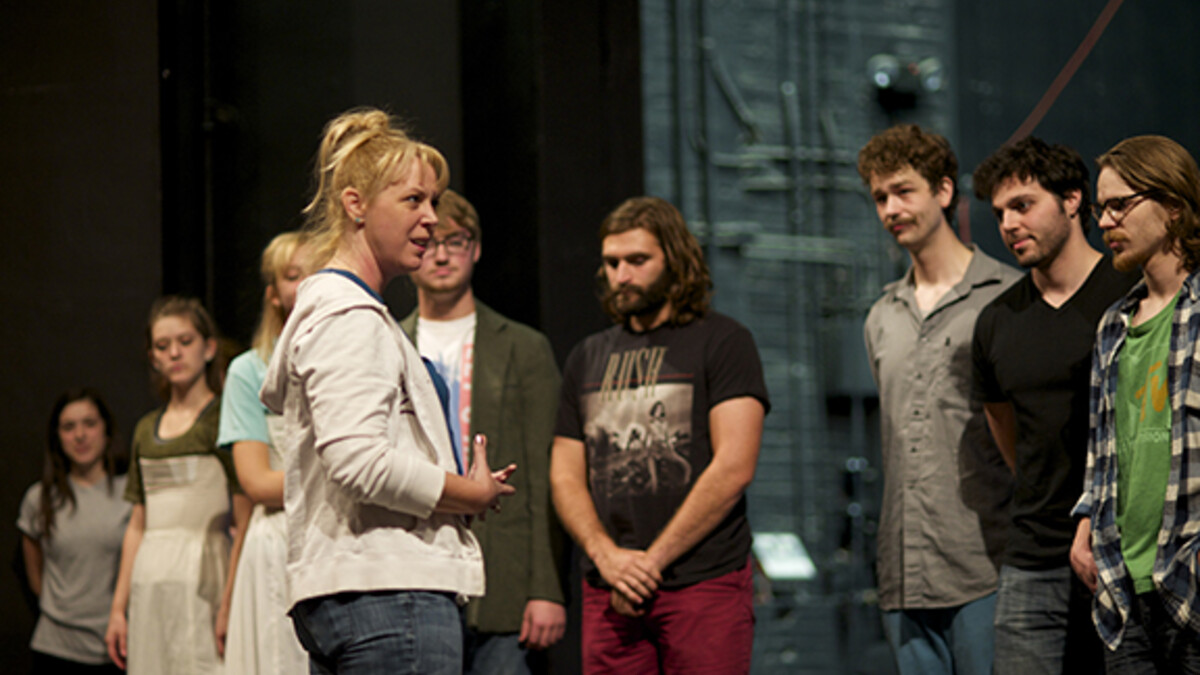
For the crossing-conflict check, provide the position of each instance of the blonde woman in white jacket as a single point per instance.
(380, 558)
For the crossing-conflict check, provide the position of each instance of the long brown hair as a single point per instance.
(201, 320)
(690, 289)
(1162, 167)
(56, 486)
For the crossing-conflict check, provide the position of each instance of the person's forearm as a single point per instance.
(129, 549)
(259, 482)
(241, 523)
(577, 513)
(31, 549)
(735, 427)
(710, 500)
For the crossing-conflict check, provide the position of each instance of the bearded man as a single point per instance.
(657, 439)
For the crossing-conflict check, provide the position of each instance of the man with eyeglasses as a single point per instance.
(1032, 352)
(1137, 540)
(504, 384)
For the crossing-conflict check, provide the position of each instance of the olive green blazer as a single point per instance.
(514, 399)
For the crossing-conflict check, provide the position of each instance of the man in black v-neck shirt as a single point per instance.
(1032, 358)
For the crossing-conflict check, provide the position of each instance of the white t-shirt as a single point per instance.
(450, 346)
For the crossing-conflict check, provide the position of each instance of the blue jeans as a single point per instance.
(381, 633)
(1044, 624)
(949, 641)
(500, 654)
(1153, 643)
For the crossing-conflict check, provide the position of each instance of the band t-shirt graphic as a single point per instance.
(640, 404)
(636, 447)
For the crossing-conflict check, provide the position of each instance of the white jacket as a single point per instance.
(366, 451)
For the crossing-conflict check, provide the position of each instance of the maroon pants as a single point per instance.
(707, 627)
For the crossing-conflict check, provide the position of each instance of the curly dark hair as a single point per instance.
(1057, 168)
(1162, 167)
(904, 145)
(690, 287)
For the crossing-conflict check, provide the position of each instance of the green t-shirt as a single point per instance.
(1143, 431)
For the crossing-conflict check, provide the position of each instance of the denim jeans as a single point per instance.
(381, 633)
(943, 641)
(1044, 624)
(1154, 643)
(500, 654)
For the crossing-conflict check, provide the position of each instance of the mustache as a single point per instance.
(612, 293)
(1111, 236)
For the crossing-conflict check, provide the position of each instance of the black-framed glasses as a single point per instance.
(1118, 207)
(455, 243)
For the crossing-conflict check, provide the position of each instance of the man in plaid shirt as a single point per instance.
(1136, 545)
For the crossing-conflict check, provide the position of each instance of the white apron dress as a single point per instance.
(261, 638)
(180, 567)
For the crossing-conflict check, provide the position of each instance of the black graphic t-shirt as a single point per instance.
(640, 404)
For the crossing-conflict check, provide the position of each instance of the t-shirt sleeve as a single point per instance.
(206, 435)
(984, 387)
(733, 368)
(28, 519)
(569, 420)
(243, 416)
(144, 430)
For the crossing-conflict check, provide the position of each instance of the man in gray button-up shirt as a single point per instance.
(945, 484)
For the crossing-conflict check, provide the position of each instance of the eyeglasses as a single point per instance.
(455, 243)
(1118, 207)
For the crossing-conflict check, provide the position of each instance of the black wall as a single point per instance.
(82, 255)
(156, 147)
(1140, 78)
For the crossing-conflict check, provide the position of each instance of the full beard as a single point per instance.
(636, 301)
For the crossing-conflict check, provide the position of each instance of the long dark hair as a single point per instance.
(690, 287)
(56, 487)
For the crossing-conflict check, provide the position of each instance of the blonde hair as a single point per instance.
(365, 149)
(275, 259)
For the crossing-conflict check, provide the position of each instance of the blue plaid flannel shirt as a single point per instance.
(1175, 567)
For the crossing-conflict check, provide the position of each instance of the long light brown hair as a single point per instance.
(1162, 167)
(690, 289)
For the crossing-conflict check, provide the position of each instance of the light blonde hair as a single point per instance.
(454, 206)
(366, 149)
(275, 259)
